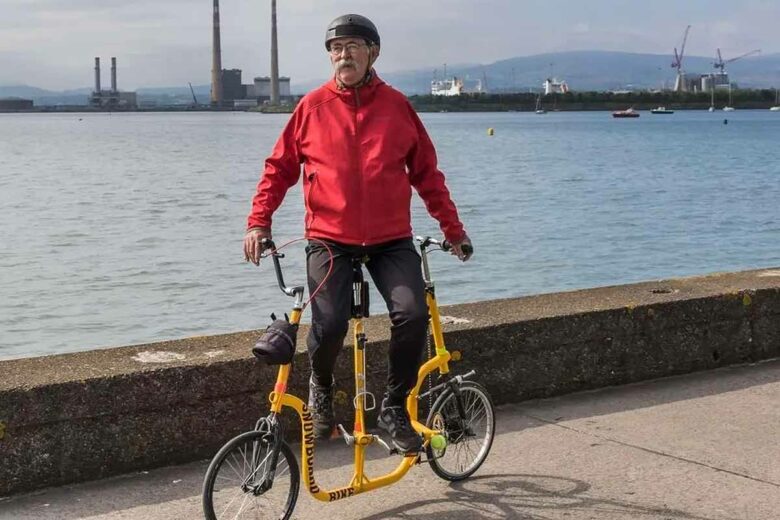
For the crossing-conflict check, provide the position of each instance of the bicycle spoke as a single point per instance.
(472, 405)
(237, 494)
(283, 471)
(235, 482)
(238, 474)
(469, 435)
(243, 503)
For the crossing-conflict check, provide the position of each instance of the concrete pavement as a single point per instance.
(694, 447)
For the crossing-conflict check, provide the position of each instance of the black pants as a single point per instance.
(395, 268)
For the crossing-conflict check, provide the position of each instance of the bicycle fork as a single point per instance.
(453, 385)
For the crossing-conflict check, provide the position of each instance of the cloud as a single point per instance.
(51, 43)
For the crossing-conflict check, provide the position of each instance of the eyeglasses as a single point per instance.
(351, 48)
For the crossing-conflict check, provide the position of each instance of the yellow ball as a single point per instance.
(438, 442)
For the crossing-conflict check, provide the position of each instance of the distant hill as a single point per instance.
(591, 70)
(46, 97)
(582, 70)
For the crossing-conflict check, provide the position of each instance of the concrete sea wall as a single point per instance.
(88, 415)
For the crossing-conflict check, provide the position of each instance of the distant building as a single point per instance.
(244, 103)
(231, 86)
(716, 81)
(555, 86)
(109, 99)
(261, 89)
(16, 104)
(687, 82)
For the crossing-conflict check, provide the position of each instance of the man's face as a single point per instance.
(350, 58)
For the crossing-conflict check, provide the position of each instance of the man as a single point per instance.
(362, 148)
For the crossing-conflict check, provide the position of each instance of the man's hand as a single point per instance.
(463, 249)
(253, 246)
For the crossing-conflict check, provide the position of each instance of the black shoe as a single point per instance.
(395, 421)
(321, 408)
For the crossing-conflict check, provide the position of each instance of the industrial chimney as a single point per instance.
(113, 75)
(216, 61)
(274, 58)
(97, 75)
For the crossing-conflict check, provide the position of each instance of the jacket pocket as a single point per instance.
(312, 178)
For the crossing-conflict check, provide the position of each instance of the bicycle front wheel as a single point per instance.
(469, 437)
(241, 484)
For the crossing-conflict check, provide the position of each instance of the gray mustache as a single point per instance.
(345, 63)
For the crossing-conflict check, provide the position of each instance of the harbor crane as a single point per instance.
(194, 99)
(679, 84)
(721, 63)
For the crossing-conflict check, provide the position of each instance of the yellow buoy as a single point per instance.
(490, 131)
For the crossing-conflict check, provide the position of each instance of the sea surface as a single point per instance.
(120, 229)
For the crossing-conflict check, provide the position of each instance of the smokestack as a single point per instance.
(113, 75)
(216, 62)
(274, 58)
(97, 74)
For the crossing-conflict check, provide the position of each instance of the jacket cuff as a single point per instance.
(456, 237)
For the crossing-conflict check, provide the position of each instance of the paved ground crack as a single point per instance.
(654, 452)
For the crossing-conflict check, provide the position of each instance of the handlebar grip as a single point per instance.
(267, 243)
(445, 245)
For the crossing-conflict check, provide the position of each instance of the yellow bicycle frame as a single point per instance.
(361, 483)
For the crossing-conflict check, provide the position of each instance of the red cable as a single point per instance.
(330, 265)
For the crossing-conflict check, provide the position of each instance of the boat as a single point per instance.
(776, 108)
(629, 112)
(539, 109)
(661, 110)
(729, 108)
(447, 87)
(712, 98)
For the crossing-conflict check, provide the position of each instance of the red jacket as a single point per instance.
(362, 151)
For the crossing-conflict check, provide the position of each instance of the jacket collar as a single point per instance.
(365, 91)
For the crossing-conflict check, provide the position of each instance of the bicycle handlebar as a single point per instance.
(267, 243)
(445, 245)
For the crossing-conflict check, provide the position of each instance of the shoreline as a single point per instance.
(421, 109)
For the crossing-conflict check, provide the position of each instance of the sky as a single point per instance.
(162, 43)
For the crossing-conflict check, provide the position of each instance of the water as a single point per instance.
(127, 228)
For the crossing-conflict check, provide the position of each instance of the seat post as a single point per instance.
(359, 289)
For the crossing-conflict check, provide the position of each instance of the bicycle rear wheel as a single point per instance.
(469, 438)
(236, 483)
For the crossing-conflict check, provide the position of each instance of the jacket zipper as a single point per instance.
(358, 154)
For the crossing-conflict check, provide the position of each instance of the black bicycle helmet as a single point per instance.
(351, 25)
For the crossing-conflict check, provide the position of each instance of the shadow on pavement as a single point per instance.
(525, 497)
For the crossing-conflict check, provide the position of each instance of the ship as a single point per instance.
(661, 110)
(447, 87)
(629, 112)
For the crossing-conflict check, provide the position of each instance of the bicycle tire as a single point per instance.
(444, 416)
(232, 467)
